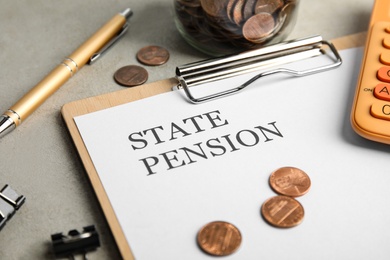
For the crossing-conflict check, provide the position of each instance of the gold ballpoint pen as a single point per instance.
(88, 52)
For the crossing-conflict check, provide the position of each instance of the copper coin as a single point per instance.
(249, 9)
(219, 238)
(214, 8)
(189, 3)
(131, 76)
(238, 15)
(258, 27)
(153, 55)
(229, 9)
(282, 211)
(268, 6)
(290, 181)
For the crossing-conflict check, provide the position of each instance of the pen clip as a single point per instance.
(97, 55)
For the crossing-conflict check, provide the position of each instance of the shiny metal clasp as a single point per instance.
(220, 68)
(106, 47)
(127, 13)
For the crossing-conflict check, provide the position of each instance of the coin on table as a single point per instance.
(282, 211)
(290, 181)
(153, 55)
(219, 238)
(131, 76)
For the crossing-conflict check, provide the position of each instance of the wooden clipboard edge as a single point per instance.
(92, 104)
(350, 41)
(81, 107)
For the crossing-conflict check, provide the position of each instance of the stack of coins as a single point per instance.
(233, 24)
(284, 210)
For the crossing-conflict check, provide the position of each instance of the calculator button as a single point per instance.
(386, 42)
(381, 109)
(384, 74)
(382, 91)
(387, 29)
(385, 58)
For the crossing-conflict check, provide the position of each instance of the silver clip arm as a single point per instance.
(103, 50)
(127, 13)
(338, 61)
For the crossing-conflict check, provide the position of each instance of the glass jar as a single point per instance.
(219, 27)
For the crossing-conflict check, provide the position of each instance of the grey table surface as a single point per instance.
(39, 159)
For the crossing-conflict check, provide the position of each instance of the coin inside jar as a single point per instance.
(131, 76)
(213, 7)
(219, 238)
(227, 26)
(258, 27)
(290, 181)
(153, 55)
(268, 6)
(282, 211)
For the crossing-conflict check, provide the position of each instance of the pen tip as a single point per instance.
(127, 13)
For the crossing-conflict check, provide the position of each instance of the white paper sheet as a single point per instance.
(347, 211)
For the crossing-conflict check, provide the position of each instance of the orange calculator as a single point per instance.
(371, 107)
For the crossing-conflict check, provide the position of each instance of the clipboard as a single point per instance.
(93, 104)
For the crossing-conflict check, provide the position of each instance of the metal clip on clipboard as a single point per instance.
(196, 73)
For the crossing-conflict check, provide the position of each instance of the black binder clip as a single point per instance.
(75, 242)
(10, 201)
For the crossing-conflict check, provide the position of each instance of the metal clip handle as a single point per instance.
(198, 73)
(103, 50)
